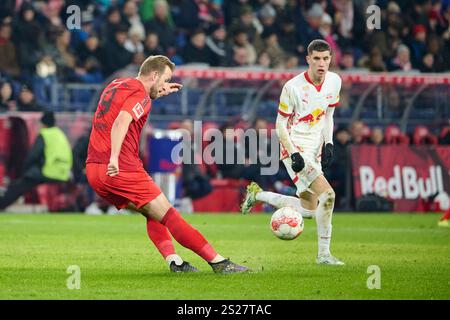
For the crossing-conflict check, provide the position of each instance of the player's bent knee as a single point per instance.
(157, 208)
(327, 195)
(327, 198)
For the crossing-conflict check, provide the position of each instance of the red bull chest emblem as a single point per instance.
(314, 117)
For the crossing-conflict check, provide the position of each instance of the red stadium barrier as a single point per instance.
(246, 74)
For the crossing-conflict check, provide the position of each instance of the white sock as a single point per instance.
(323, 218)
(174, 257)
(279, 201)
(217, 258)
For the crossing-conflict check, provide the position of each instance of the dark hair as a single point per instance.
(318, 45)
(48, 118)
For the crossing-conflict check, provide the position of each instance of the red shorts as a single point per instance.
(128, 186)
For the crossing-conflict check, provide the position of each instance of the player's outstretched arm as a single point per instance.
(118, 132)
(168, 88)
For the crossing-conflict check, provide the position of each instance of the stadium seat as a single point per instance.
(58, 196)
(393, 135)
(423, 136)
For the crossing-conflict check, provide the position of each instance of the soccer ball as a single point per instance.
(286, 223)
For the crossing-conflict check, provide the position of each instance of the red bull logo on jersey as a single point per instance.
(314, 117)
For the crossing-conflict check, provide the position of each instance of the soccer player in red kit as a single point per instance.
(116, 173)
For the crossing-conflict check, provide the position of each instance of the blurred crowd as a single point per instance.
(197, 177)
(38, 45)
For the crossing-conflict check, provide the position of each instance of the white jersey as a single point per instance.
(306, 105)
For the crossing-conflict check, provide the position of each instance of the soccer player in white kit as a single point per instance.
(304, 127)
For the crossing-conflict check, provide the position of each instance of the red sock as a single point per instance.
(446, 215)
(187, 236)
(160, 236)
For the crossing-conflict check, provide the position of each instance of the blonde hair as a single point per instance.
(155, 63)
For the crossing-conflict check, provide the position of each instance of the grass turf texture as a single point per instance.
(118, 261)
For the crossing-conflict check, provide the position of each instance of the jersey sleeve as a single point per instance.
(134, 105)
(285, 107)
(335, 101)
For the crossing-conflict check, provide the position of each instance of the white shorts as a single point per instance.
(304, 178)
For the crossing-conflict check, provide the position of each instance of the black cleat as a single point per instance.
(184, 267)
(227, 266)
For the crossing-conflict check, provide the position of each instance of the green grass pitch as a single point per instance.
(117, 260)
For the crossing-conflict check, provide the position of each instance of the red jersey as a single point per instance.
(127, 94)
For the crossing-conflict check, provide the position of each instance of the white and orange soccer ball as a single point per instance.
(286, 223)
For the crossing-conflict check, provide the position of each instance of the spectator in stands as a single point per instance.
(428, 64)
(111, 24)
(267, 16)
(89, 49)
(263, 147)
(132, 17)
(440, 54)
(6, 92)
(401, 61)
(61, 54)
(248, 24)
(187, 18)
(344, 18)
(6, 10)
(52, 11)
(28, 36)
(326, 30)
(88, 67)
(79, 36)
(26, 101)
(314, 20)
(134, 42)
(357, 132)
(48, 161)
(79, 152)
(291, 62)
(151, 45)
(420, 11)
(393, 101)
(196, 183)
(8, 53)
(347, 61)
(338, 171)
(276, 54)
(374, 62)
(218, 45)
(232, 150)
(264, 60)
(209, 13)
(162, 25)
(114, 55)
(45, 78)
(285, 25)
(418, 44)
(239, 58)
(376, 137)
(197, 50)
(240, 40)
